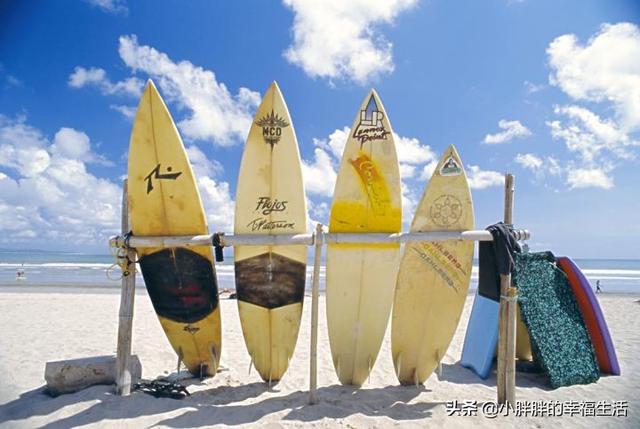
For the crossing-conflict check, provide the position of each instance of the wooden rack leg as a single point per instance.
(313, 355)
(125, 322)
(507, 320)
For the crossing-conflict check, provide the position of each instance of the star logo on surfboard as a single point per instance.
(272, 125)
(155, 174)
(370, 127)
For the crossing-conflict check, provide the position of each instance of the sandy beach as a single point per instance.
(45, 323)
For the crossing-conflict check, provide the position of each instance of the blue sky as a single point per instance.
(547, 90)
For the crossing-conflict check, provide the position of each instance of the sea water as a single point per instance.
(43, 268)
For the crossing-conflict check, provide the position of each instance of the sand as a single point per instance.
(43, 324)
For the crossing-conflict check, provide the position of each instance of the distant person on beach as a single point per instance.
(598, 288)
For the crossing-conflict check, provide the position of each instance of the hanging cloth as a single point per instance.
(496, 257)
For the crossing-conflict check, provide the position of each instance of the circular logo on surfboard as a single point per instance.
(446, 210)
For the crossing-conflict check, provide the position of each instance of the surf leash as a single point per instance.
(120, 253)
(162, 389)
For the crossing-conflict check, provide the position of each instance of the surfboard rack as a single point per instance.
(318, 238)
(230, 240)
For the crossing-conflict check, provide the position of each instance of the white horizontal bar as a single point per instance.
(406, 237)
(307, 239)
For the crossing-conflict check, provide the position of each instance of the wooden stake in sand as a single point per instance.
(506, 380)
(127, 295)
(313, 366)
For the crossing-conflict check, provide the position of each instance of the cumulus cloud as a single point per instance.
(218, 203)
(529, 160)
(213, 113)
(22, 147)
(128, 112)
(510, 130)
(588, 135)
(605, 73)
(481, 179)
(48, 195)
(539, 166)
(589, 178)
(97, 77)
(339, 39)
(46, 192)
(110, 6)
(604, 69)
(320, 174)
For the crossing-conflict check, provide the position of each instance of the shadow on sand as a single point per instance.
(456, 373)
(217, 405)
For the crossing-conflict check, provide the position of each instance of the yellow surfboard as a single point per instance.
(164, 200)
(269, 201)
(361, 278)
(434, 276)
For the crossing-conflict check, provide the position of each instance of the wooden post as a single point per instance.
(507, 320)
(127, 295)
(313, 355)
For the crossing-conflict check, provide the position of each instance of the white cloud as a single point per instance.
(511, 130)
(530, 161)
(589, 178)
(588, 135)
(428, 169)
(201, 164)
(57, 200)
(411, 151)
(97, 77)
(481, 179)
(605, 69)
(539, 166)
(335, 143)
(338, 39)
(218, 204)
(320, 174)
(605, 72)
(407, 171)
(52, 197)
(22, 148)
(213, 112)
(128, 112)
(71, 143)
(110, 6)
(532, 88)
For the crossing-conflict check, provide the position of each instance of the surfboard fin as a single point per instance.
(415, 377)
(250, 365)
(398, 365)
(214, 358)
(369, 374)
(180, 354)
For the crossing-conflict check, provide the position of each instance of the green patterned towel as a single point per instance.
(559, 339)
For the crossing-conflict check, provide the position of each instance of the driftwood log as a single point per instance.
(68, 376)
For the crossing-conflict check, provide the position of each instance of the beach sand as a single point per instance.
(45, 324)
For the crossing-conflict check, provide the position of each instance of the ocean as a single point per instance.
(44, 268)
